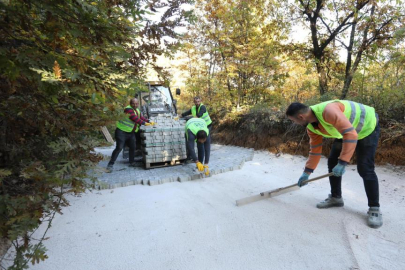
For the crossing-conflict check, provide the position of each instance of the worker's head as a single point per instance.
(197, 101)
(134, 103)
(298, 113)
(201, 136)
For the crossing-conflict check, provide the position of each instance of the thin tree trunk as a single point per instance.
(350, 70)
(228, 83)
(323, 78)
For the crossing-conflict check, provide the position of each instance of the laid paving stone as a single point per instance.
(184, 178)
(223, 159)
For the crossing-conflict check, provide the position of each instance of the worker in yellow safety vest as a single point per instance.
(197, 131)
(199, 110)
(354, 127)
(125, 132)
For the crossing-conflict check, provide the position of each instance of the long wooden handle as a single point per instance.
(276, 192)
(293, 185)
(319, 177)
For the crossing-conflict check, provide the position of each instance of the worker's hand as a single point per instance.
(340, 168)
(200, 167)
(207, 171)
(176, 118)
(304, 177)
(148, 124)
(152, 123)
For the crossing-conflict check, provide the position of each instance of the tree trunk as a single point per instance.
(351, 69)
(228, 83)
(323, 78)
(346, 86)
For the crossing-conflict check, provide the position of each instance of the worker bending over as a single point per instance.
(196, 130)
(355, 127)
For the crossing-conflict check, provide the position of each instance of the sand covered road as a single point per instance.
(196, 224)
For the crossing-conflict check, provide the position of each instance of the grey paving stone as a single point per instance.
(184, 178)
(223, 159)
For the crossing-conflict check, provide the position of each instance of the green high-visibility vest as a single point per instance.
(362, 118)
(138, 113)
(206, 117)
(195, 125)
(127, 124)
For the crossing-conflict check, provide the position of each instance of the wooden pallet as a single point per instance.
(107, 134)
(164, 164)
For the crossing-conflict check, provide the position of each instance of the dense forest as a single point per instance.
(69, 67)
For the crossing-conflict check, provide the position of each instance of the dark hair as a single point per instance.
(201, 135)
(296, 108)
(197, 97)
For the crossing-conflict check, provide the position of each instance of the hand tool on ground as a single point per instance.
(276, 192)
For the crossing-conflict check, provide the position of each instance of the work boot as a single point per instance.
(374, 217)
(109, 168)
(331, 202)
(188, 161)
(138, 153)
(138, 158)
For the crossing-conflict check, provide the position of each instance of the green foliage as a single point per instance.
(357, 28)
(67, 68)
(232, 54)
(238, 55)
(381, 84)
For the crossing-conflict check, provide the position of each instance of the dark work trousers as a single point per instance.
(365, 153)
(204, 149)
(122, 137)
(138, 140)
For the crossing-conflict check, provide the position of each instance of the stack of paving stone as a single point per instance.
(164, 143)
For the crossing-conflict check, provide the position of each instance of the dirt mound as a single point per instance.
(272, 131)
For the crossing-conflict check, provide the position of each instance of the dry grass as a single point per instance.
(272, 131)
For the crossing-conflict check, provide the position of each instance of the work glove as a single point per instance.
(148, 124)
(176, 118)
(340, 168)
(207, 171)
(200, 167)
(304, 177)
(152, 123)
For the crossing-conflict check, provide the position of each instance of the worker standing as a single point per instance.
(355, 127)
(125, 132)
(196, 130)
(199, 110)
(138, 151)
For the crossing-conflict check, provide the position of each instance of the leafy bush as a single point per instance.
(67, 68)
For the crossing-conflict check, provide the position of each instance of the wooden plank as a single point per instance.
(267, 194)
(107, 134)
(276, 192)
(152, 165)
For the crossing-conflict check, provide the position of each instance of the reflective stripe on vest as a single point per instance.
(126, 124)
(195, 125)
(205, 116)
(362, 118)
(138, 113)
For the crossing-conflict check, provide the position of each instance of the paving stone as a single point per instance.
(184, 178)
(223, 159)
